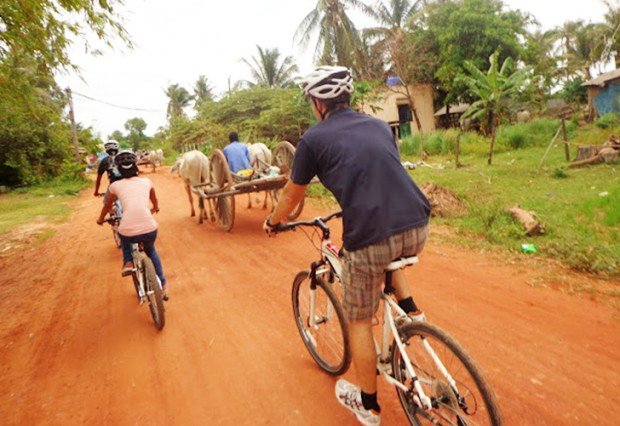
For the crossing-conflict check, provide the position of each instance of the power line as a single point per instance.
(116, 106)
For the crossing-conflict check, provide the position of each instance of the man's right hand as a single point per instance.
(96, 194)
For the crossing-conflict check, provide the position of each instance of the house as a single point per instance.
(449, 116)
(391, 105)
(604, 93)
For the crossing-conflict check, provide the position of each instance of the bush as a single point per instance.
(608, 120)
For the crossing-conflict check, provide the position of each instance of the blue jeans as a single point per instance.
(148, 241)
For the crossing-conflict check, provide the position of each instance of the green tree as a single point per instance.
(456, 31)
(203, 91)
(135, 128)
(44, 29)
(612, 30)
(540, 55)
(34, 39)
(268, 71)
(338, 39)
(178, 99)
(493, 91)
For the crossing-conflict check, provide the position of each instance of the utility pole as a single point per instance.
(73, 127)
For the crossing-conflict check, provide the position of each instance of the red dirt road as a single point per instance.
(76, 348)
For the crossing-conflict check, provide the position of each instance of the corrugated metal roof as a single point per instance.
(454, 109)
(603, 78)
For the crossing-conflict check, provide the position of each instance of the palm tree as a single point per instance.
(268, 72)
(179, 98)
(612, 30)
(203, 91)
(338, 40)
(493, 90)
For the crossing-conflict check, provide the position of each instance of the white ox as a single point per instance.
(156, 156)
(260, 159)
(193, 168)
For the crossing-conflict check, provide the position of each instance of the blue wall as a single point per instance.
(609, 99)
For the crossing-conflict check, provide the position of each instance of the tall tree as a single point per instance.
(612, 30)
(136, 126)
(35, 36)
(203, 91)
(492, 91)
(178, 98)
(456, 31)
(268, 71)
(338, 39)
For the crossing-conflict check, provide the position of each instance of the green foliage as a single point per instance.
(267, 70)
(608, 120)
(579, 209)
(178, 99)
(43, 30)
(458, 31)
(559, 173)
(574, 92)
(259, 114)
(34, 39)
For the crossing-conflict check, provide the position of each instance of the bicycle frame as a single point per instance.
(330, 266)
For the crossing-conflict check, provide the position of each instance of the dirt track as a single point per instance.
(75, 347)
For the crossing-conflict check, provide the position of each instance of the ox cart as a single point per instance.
(220, 191)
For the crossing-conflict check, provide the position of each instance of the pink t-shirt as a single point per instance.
(134, 196)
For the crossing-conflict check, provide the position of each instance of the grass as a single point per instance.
(580, 207)
(47, 201)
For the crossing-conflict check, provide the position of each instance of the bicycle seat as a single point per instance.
(401, 262)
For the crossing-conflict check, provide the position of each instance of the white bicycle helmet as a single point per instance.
(327, 82)
(110, 145)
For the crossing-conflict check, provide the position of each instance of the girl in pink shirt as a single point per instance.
(137, 225)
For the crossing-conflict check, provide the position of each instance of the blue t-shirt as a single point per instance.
(355, 157)
(238, 156)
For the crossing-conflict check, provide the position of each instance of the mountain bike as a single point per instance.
(436, 380)
(146, 282)
(116, 214)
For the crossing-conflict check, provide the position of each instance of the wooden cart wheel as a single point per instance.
(222, 178)
(283, 155)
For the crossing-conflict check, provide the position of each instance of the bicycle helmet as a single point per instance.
(125, 159)
(110, 146)
(328, 82)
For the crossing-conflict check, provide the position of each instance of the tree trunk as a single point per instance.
(491, 147)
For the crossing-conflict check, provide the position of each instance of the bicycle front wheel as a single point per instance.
(327, 337)
(459, 393)
(154, 293)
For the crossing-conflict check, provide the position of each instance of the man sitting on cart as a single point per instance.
(238, 156)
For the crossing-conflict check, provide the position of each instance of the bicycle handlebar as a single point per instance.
(319, 222)
(112, 219)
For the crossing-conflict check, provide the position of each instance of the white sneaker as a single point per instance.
(350, 396)
(410, 318)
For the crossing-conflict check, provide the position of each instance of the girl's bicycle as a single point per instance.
(146, 282)
(437, 382)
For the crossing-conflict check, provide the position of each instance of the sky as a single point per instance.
(176, 41)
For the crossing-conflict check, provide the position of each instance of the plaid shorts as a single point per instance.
(363, 271)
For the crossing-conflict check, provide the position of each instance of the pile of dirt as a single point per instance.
(444, 202)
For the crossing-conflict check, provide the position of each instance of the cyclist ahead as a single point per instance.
(106, 165)
(385, 216)
(138, 224)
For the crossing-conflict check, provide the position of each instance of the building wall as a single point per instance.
(390, 99)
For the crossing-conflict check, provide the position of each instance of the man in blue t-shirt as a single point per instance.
(385, 216)
(237, 154)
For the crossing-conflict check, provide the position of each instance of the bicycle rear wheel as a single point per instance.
(154, 293)
(468, 401)
(328, 340)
